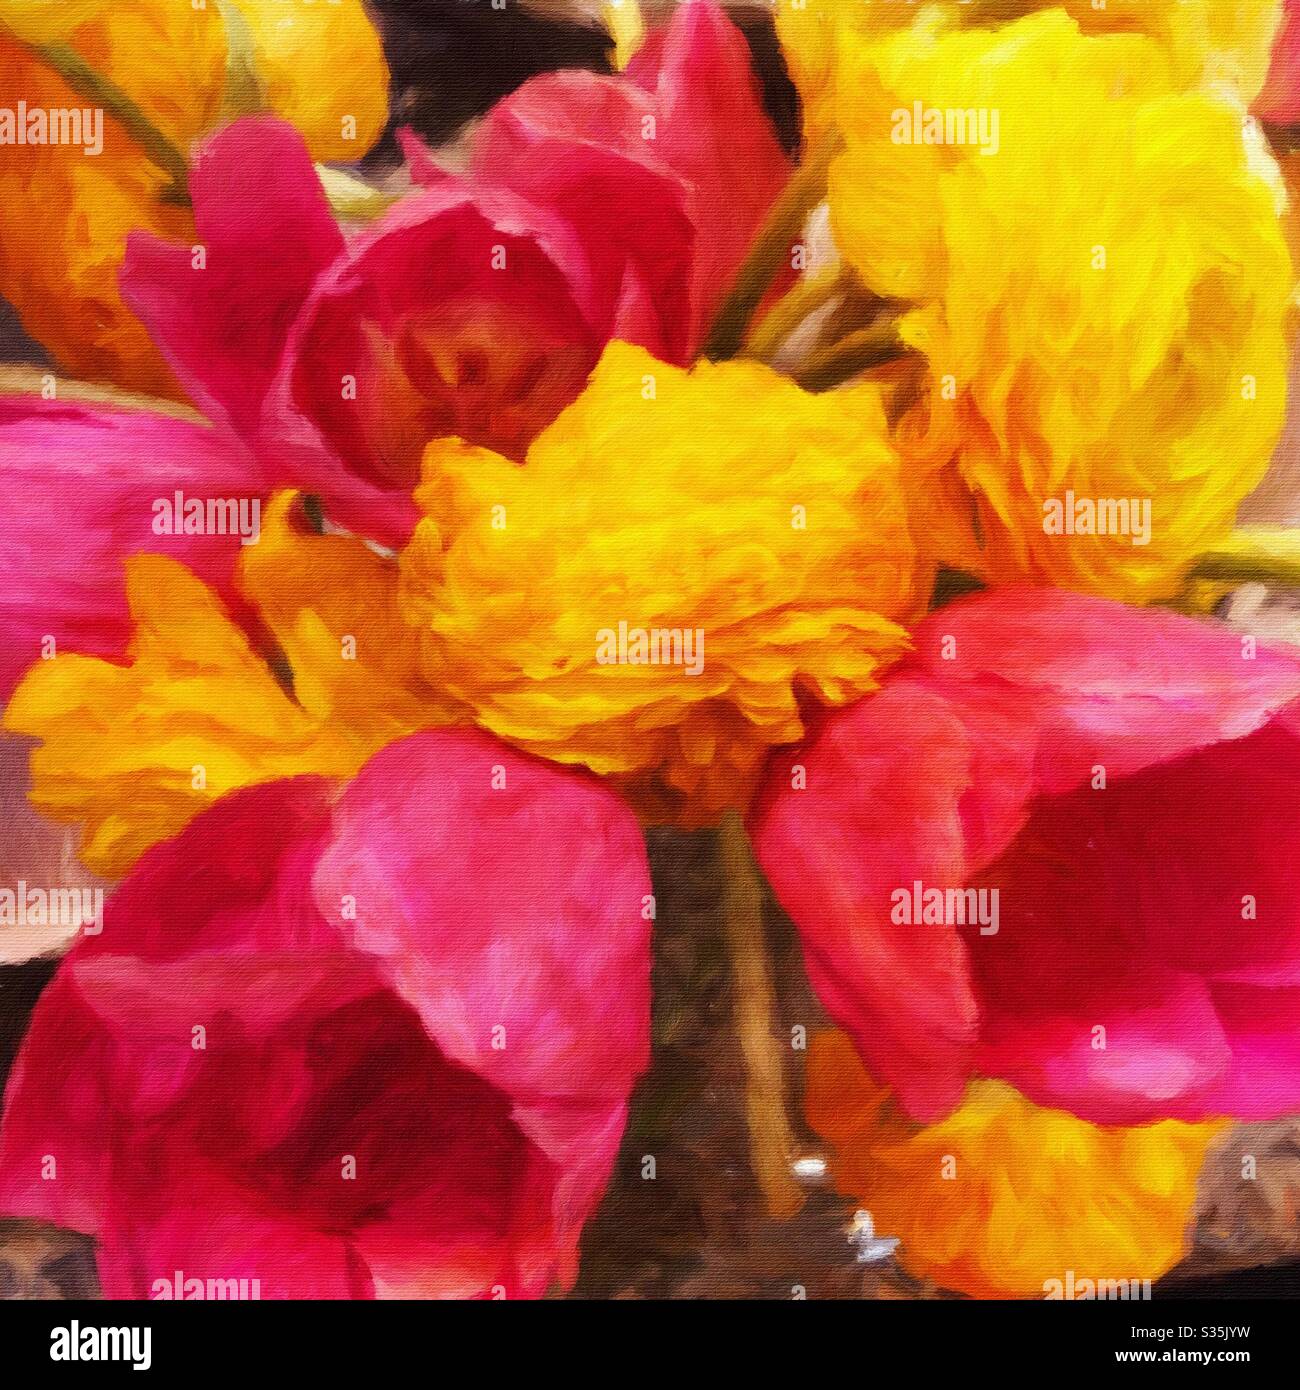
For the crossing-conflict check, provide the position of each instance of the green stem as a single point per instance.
(105, 93)
(770, 252)
(1263, 556)
(243, 93)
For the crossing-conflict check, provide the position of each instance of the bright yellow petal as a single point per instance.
(133, 752)
(65, 215)
(759, 529)
(323, 69)
(1127, 364)
(47, 21)
(1218, 46)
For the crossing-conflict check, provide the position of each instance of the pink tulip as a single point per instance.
(1118, 788)
(358, 1042)
(682, 143)
(595, 207)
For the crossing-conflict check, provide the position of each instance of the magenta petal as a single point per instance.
(463, 313)
(58, 1107)
(572, 142)
(554, 957)
(1263, 1032)
(540, 984)
(669, 170)
(1280, 99)
(207, 1238)
(715, 134)
(1101, 682)
(1123, 781)
(369, 1042)
(267, 232)
(835, 850)
(78, 484)
(1151, 1048)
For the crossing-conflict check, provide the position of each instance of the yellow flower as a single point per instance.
(625, 24)
(1004, 1199)
(331, 603)
(65, 215)
(1219, 45)
(134, 752)
(684, 558)
(1102, 289)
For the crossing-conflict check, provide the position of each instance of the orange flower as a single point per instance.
(65, 212)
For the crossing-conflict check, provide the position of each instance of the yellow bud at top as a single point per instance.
(1222, 46)
(322, 68)
(47, 21)
(64, 217)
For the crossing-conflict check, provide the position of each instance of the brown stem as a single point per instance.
(771, 1144)
(854, 354)
(812, 293)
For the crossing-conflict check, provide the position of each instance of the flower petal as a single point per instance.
(267, 232)
(80, 482)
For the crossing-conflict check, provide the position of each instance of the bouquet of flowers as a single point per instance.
(397, 531)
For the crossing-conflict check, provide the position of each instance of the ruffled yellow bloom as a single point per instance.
(683, 559)
(1219, 45)
(133, 753)
(65, 215)
(1004, 1199)
(331, 597)
(1102, 288)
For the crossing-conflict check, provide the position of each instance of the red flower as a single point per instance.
(1118, 788)
(368, 1043)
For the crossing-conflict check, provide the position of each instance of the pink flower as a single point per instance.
(78, 488)
(1280, 99)
(593, 208)
(375, 1041)
(682, 144)
(1118, 787)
